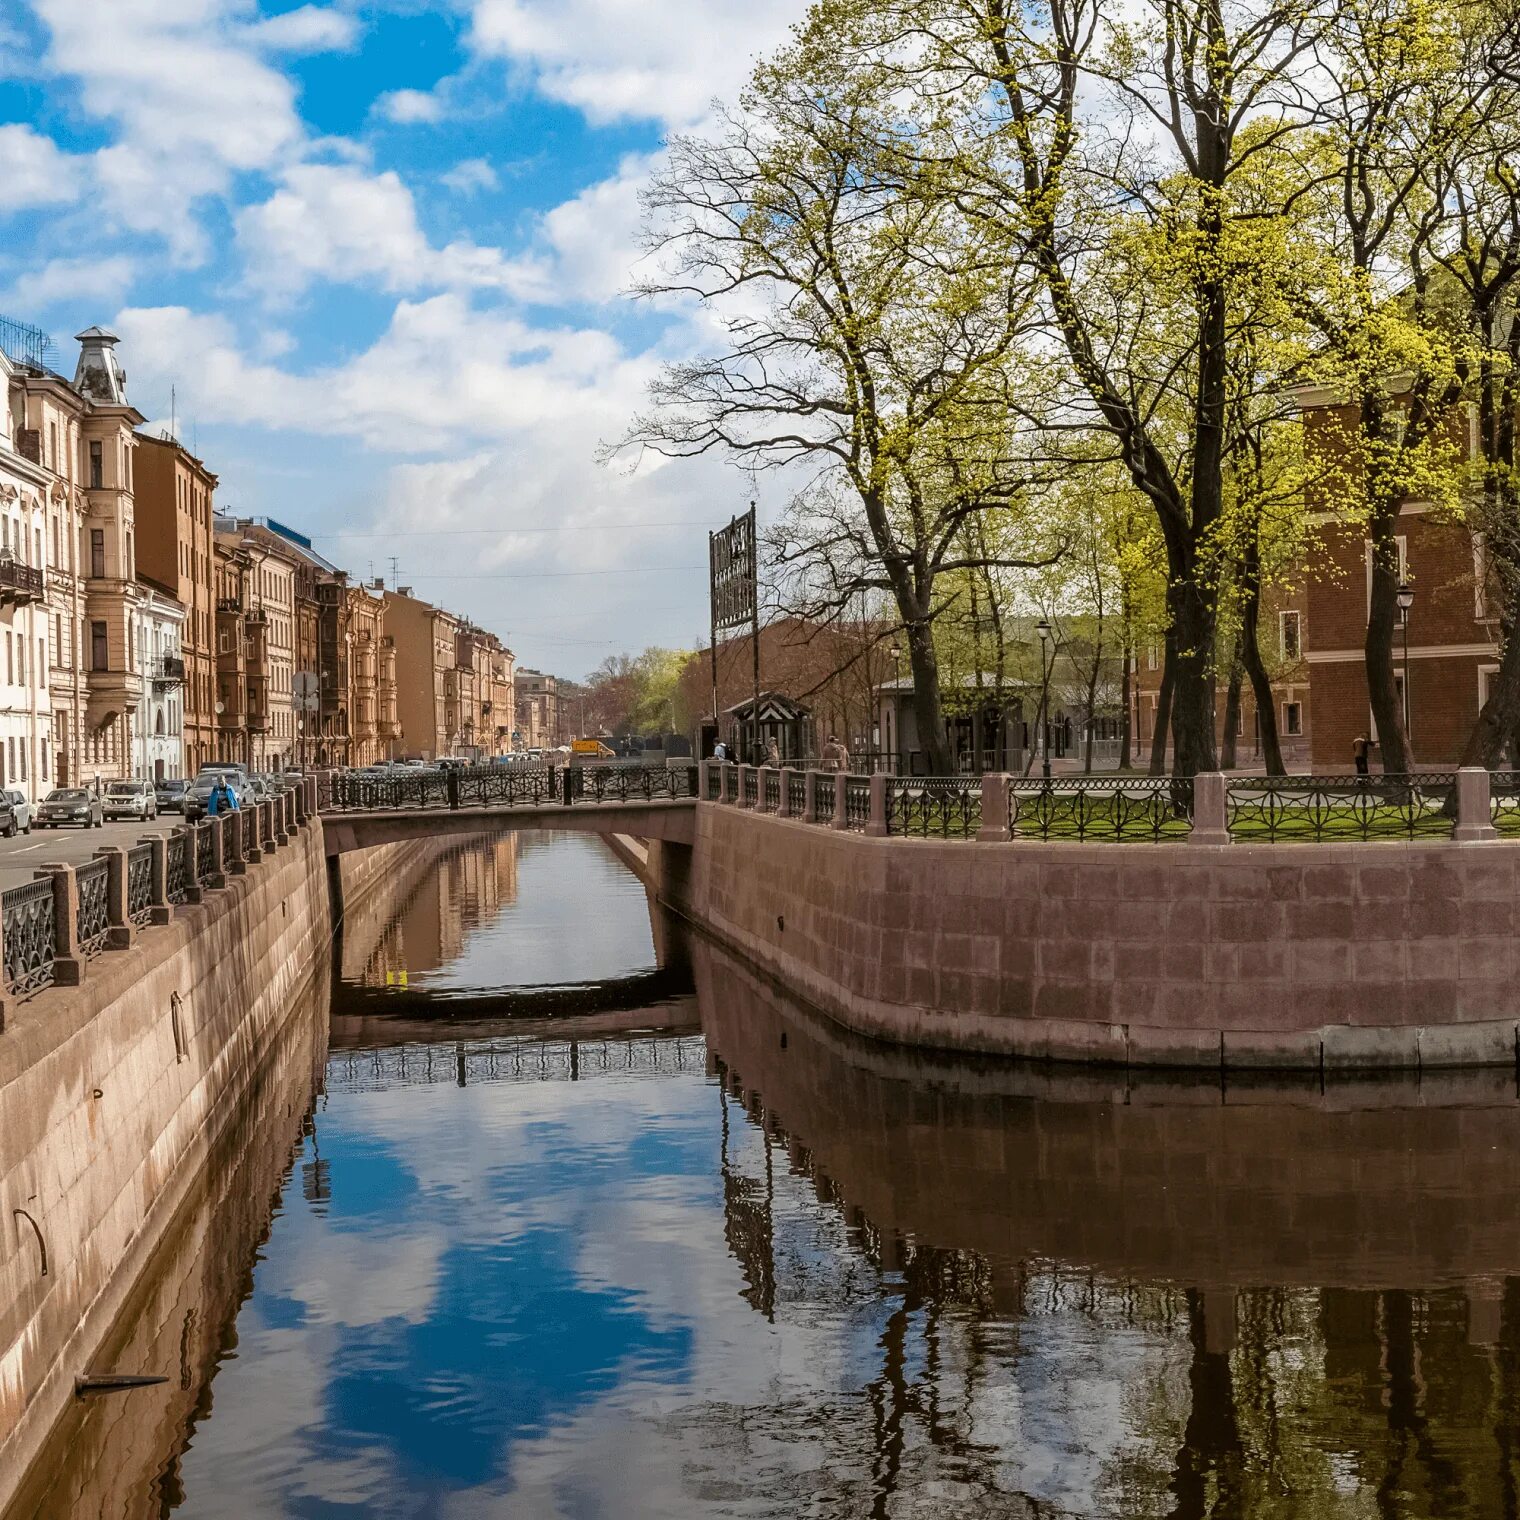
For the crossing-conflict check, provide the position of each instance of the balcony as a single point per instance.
(229, 719)
(258, 722)
(390, 726)
(230, 605)
(167, 672)
(108, 693)
(20, 584)
(257, 615)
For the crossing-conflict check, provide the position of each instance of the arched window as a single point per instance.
(158, 723)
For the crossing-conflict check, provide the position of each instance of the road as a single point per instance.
(20, 856)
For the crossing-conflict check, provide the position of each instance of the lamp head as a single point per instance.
(1043, 629)
(1404, 596)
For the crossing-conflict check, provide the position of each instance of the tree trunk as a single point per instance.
(1157, 765)
(1126, 687)
(928, 709)
(1231, 711)
(1192, 685)
(1255, 668)
(1382, 619)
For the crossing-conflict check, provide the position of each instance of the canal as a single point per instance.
(687, 1251)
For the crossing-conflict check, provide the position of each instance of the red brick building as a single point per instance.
(1452, 628)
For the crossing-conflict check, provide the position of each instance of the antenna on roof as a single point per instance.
(173, 426)
(395, 572)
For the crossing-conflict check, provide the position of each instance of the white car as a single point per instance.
(23, 810)
(130, 799)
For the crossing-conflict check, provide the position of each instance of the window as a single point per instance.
(99, 648)
(57, 556)
(1293, 718)
(1403, 544)
(97, 551)
(42, 664)
(1150, 655)
(44, 771)
(97, 464)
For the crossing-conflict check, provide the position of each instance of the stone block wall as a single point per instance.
(1291, 955)
(111, 1094)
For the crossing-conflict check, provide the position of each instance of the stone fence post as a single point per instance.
(68, 963)
(763, 776)
(1211, 809)
(784, 794)
(995, 827)
(1475, 822)
(810, 796)
(158, 873)
(117, 916)
(743, 779)
(192, 864)
(218, 874)
(726, 782)
(876, 823)
(253, 837)
(298, 801)
(233, 830)
(839, 821)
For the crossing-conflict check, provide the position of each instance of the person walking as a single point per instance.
(1359, 752)
(720, 751)
(772, 753)
(830, 754)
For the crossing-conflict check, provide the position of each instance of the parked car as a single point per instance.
(23, 809)
(170, 795)
(196, 794)
(10, 823)
(130, 799)
(68, 805)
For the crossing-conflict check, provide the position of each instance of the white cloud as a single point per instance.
(617, 59)
(470, 175)
(90, 279)
(407, 107)
(337, 222)
(34, 171)
(308, 29)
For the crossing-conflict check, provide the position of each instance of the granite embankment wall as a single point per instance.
(1347, 956)
(111, 1096)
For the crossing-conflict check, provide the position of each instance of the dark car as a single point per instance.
(70, 805)
(198, 793)
(171, 795)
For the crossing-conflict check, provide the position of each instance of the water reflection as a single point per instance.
(614, 1266)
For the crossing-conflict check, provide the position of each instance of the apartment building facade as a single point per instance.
(175, 503)
(427, 680)
(538, 710)
(158, 749)
(371, 655)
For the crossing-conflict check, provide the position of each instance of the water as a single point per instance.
(712, 1258)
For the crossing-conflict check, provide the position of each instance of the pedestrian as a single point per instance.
(772, 753)
(830, 753)
(1359, 749)
(720, 751)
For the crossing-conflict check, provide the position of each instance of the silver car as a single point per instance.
(130, 799)
(23, 809)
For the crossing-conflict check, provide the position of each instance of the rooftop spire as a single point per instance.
(100, 375)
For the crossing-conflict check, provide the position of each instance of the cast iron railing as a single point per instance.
(949, 806)
(490, 785)
(94, 921)
(140, 884)
(1330, 808)
(714, 781)
(204, 852)
(772, 791)
(796, 792)
(30, 937)
(1504, 801)
(177, 850)
(1111, 808)
(633, 783)
(751, 787)
(857, 801)
(512, 785)
(823, 798)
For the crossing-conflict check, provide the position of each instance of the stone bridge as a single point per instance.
(671, 821)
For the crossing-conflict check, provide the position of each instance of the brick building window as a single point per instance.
(1288, 635)
(1293, 718)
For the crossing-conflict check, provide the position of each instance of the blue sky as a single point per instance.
(379, 250)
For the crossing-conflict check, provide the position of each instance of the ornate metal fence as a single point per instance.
(502, 785)
(1107, 808)
(796, 792)
(857, 801)
(773, 791)
(177, 850)
(404, 789)
(949, 806)
(714, 781)
(31, 941)
(750, 791)
(140, 884)
(635, 783)
(1504, 801)
(94, 921)
(205, 855)
(823, 797)
(1330, 808)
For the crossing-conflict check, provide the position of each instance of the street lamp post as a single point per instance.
(894, 734)
(1043, 629)
(1404, 596)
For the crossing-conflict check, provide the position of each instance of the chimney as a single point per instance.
(378, 584)
(403, 590)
